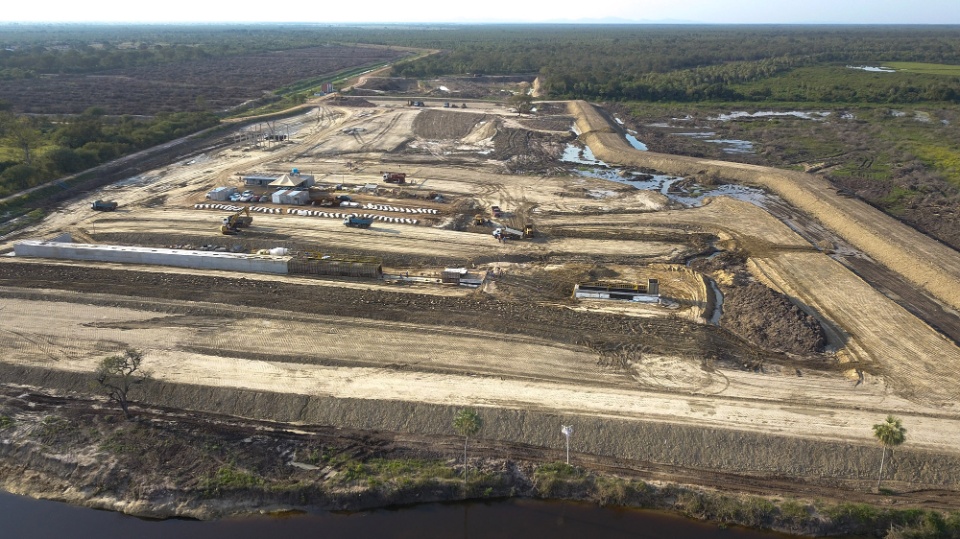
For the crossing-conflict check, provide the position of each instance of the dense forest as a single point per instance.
(697, 63)
(39, 149)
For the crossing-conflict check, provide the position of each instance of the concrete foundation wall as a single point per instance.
(159, 257)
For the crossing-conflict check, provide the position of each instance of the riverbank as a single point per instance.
(168, 463)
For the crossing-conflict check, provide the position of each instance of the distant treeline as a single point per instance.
(28, 51)
(696, 63)
(675, 63)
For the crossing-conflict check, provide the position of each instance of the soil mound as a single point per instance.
(442, 124)
(389, 84)
(770, 320)
(354, 102)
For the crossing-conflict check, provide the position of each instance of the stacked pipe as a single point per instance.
(227, 207)
(337, 215)
(231, 208)
(385, 207)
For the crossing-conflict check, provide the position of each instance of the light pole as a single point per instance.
(567, 430)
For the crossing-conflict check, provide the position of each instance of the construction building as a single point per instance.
(646, 293)
(294, 197)
(221, 193)
(461, 277)
(291, 180)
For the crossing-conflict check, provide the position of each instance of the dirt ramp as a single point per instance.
(482, 131)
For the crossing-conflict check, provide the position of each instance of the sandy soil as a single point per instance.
(520, 343)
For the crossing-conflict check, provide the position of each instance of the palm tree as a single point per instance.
(467, 423)
(890, 434)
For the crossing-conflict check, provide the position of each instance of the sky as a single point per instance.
(457, 11)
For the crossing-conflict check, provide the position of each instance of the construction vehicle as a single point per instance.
(479, 219)
(497, 212)
(506, 232)
(241, 219)
(104, 205)
(358, 222)
(394, 177)
(226, 230)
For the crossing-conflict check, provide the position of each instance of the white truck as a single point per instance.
(505, 232)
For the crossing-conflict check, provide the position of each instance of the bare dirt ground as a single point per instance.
(519, 343)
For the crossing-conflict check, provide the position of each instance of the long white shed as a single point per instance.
(181, 258)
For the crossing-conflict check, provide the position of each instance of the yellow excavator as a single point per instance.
(233, 223)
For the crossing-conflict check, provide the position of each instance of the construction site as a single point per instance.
(375, 265)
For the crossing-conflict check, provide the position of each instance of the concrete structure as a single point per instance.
(338, 265)
(221, 193)
(461, 277)
(647, 293)
(154, 256)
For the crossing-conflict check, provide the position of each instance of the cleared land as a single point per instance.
(222, 82)
(361, 354)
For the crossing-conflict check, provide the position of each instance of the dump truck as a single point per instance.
(358, 222)
(104, 205)
(395, 177)
(506, 232)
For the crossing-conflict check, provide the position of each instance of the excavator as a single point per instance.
(232, 224)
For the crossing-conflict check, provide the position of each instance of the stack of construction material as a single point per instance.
(337, 215)
(400, 209)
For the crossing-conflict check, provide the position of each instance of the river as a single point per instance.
(26, 518)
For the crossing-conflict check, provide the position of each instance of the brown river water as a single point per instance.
(27, 518)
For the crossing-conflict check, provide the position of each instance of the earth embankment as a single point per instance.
(690, 447)
(921, 259)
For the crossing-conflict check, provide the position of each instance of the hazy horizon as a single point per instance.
(859, 12)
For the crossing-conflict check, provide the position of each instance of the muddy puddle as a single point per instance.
(690, 195)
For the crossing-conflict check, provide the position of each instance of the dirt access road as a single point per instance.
(518, 348)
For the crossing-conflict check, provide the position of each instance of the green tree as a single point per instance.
(467, 423)
(522, 102)
(890, 434)
(118, 375)
(22, 132)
